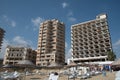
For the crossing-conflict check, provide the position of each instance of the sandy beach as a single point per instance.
(43, 74)
(109, 76)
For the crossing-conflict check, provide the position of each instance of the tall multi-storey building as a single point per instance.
(91, 40)
(15, 54)
(1, 36)
(51, 43)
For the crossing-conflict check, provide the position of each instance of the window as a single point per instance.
(11, 54)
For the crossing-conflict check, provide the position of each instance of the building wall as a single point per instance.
(1, 62)
(1, 36)
(15, 54)
(51, 43)
(91, 40)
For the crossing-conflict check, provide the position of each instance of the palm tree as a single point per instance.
(111, 56)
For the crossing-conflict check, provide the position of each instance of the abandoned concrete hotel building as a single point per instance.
(51, 43)
(90, 41)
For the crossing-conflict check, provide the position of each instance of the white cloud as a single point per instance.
(36, 22)
(13, 23)
(9, 21)
(70, 13)
(5, 17)
(68, 54)
(64, 4)
(72, 19)
(66, 45)
(116, 48)
(117, 43)
(70, 16)
(4, 45)
(18, 40)
(70, 51)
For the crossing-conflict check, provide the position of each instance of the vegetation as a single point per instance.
(111, 56)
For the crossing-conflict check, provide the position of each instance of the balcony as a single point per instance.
(91, 55)
(100, 36)
(103, 54)
(106, 35)
(107, 44)
(97, 55)
(90, 34)
(103, 23)
(81, 56)
(104, 29)
(86, 55)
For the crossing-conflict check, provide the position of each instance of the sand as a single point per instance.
(43, 74)
(109, 76)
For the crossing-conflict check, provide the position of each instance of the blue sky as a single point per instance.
(21, 18)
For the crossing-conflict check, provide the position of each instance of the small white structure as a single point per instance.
(102, 63)
(53, 77)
